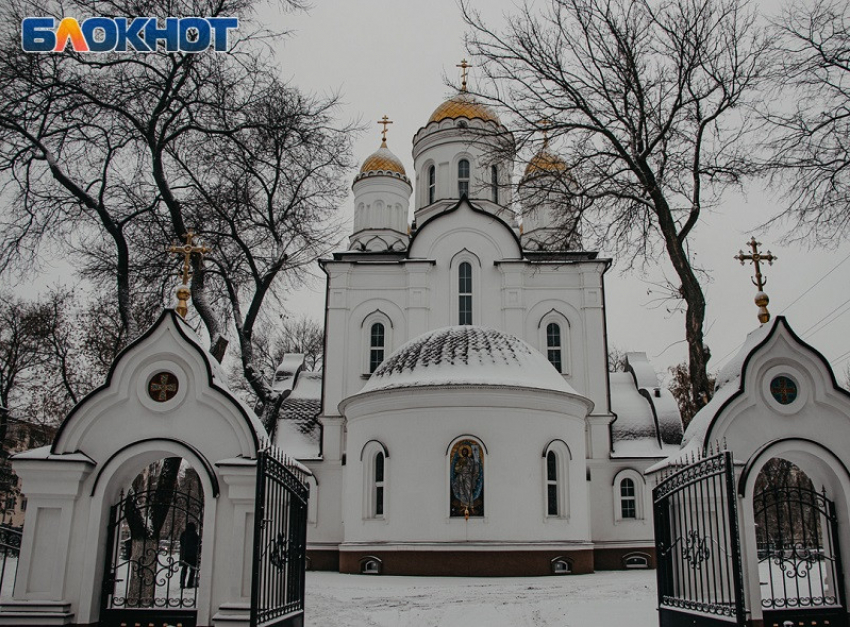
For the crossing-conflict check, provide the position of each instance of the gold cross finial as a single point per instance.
(759, 281)
(386, 122)
(464, 66)
(187, 250)
(544, 128)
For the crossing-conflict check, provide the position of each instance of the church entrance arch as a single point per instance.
(153, 548)
(797, 544)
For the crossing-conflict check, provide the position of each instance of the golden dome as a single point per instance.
(382, 160)
(544, 162)
(463, 106)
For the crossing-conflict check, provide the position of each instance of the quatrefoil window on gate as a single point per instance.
(163, 386)
(783, 389)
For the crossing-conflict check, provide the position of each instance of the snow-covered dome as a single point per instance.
(466, 355)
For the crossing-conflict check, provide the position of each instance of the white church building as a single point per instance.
(465, 422)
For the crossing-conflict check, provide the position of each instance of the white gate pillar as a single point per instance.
(234, 544)
(41, 591)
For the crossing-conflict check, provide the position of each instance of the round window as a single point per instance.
(783, 389)
(163, 387)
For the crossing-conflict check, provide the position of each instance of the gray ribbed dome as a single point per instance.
(466, 355)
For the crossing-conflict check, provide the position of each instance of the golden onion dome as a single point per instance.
(382, 160)
(544, 162)
(463, 106)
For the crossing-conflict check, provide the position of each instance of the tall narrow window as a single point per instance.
(494, 183)
(432, 184)
(628, 503)
(379, 486)
(464, 276)
(553, 345)
(462, 178)
(376, 346)
(552, 484)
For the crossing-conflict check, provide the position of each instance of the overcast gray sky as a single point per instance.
(392, 57)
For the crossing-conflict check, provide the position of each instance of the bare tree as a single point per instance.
(112, 156)
(809, 113)
(680, 388)
(646, 105)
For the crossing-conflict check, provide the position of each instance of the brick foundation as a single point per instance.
(468, 563)
(615, 559)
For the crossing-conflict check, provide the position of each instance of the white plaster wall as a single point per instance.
(381, 205)
(419, 295)
(604, 503)
(417, 471)
(442, 144)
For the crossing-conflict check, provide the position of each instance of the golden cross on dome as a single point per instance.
(187, 250)
(759, 281)
(386, 122)
(464, 66)
(544, 124)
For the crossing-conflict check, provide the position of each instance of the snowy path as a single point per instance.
(597, 600)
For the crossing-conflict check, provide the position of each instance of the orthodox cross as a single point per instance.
(386, 122)
(464, 66)
(544, 128)
(187, 250)
(759, 281)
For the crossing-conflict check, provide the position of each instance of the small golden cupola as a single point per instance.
(383, 160)
(550, 218)
(381, 201)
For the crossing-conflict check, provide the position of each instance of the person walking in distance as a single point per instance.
(190, 543)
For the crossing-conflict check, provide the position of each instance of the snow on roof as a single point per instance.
(284, 376)
(732, 370)
(298, 430)
(648, 421)
(467, 355)
(728, 383)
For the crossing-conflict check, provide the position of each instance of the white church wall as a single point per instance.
(417, 493)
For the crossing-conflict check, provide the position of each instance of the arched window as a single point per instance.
(553, 345)
(432, 184)
(375, 460)
(464, 290)
(378, 499)
(552, 484)
(466, 479)
(376, 346)
(556, 457)
(463, 178)
(628, 496)
(494, 183)
(628, 503)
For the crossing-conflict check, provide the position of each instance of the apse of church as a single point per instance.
(468, 424)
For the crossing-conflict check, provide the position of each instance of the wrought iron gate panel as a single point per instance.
(280, 542)
(799, 560)
(700, 582)
(149, 578)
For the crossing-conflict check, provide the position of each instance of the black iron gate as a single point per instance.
(700, 581)
(152, 560)
(799, 561)
(280, 542)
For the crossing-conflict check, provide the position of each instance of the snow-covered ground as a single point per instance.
(598, 600)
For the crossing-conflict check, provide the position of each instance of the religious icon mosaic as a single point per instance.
(163, 387)
(466, 477)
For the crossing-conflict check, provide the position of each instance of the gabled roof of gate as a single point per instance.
(183, 343)
(732, 384)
